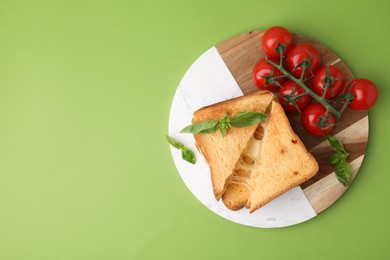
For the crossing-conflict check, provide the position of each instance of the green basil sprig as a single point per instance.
(342, 168)
(240, 120)
(186, 153)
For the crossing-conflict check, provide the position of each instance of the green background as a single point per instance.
(85, 94)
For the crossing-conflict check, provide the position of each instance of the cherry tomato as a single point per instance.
(334, 80)
(313, 114)
(263, 69)
(272, 37)
(296, 100)
(299, 53)
(365, 94)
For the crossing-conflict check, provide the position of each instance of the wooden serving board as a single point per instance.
(242, 52)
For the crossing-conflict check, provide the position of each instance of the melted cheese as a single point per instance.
(250, 158)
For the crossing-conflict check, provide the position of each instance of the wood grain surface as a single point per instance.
(241, 53)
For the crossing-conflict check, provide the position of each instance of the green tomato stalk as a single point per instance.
(320, 99)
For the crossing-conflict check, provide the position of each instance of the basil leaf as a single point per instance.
(173, 142)
(225, 119)
(240, 120)
(205, 127)
(223, 130)
(336, 158)
(244, 119)
(336, 144)
(347, 171)
(343, 172)
(210, 130)
(188, 155)
(342, 168)
(224, 124)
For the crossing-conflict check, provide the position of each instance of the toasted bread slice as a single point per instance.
(223, 153)
(283, 162)
(274, 161)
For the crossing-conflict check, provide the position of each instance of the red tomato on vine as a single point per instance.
(329, 77)
(274, 36)
(315, 120)
(303, 54)
(293, 97)
(365, 94)
(263, 75)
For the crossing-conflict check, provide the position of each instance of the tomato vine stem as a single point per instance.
(301, 83)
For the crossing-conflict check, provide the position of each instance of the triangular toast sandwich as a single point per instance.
(257, 163)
